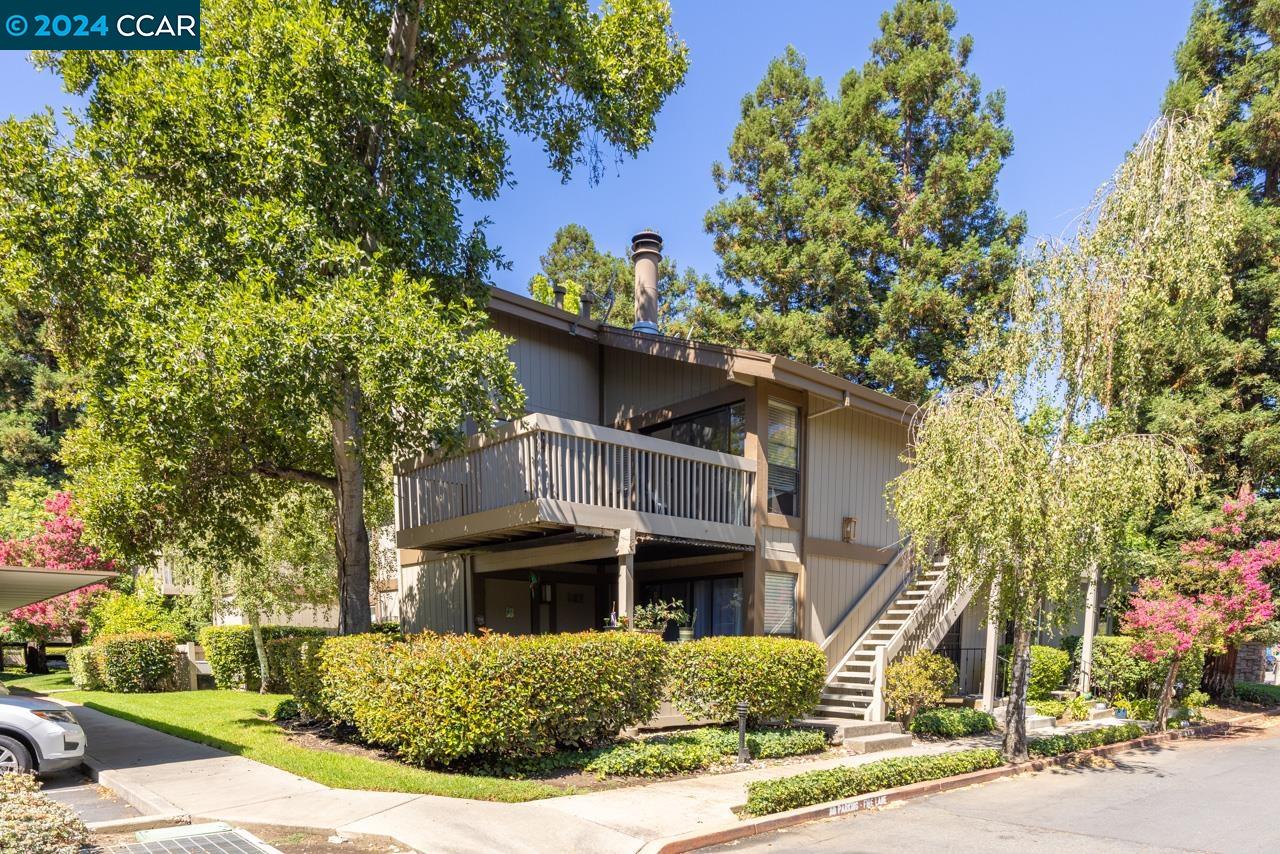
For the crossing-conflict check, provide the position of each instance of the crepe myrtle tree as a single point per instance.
(253, 254)
(1211, 597)
(58, 545)
(1018, 516)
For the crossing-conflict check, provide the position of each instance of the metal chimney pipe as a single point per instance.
(646, 254)
(559, 291)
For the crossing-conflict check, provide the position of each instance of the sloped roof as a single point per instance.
(734, 361)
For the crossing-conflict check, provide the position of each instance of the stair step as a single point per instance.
(878, 742)
(844, 692)
(841, 713)
(842, 728)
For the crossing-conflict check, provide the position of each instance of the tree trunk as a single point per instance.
(351, 532)
(1166, 695)
(34, 658)
(259, 646)
(1015, 721)
(1219, 678)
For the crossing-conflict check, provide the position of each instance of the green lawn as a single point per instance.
(58, 680)
(238, 722)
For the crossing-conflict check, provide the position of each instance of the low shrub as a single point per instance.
(778, 678)
(1048, 672)
(234, 659)
(1052, 708)
(653, 759)
(31, 822)
(82, 663)
(1116, 671)
(1257, 692)
(1076, 709)
(952, 723)
(764, 743)
(815, 787)
(1197, 700)
(439, 699)
(917, 681)
(299, 669)
(1143, 709)
(137, 662)
(1056, 745)
(285, 710)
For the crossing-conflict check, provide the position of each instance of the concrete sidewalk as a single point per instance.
(160, 774)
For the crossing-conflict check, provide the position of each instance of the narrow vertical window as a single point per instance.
(783, 454)
(779, 603)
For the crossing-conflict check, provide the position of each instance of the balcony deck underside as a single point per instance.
(546, 516)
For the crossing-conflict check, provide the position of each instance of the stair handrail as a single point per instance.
(903, 554)
(940, 588)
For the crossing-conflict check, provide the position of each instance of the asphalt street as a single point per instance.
(1213, 794)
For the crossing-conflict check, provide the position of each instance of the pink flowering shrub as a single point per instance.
(1217, 594)
(59, 546)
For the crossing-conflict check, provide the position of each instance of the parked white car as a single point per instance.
(38, 735)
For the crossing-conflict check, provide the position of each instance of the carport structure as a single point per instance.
(25, 585)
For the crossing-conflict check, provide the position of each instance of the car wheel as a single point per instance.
(14, 756)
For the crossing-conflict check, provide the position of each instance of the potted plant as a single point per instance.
(655, 616)
(686, 626)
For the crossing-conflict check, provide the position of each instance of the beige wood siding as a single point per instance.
(852, 457)
(833, 585)
(781, 544)
(559, 373)
(635, 383)
(433, 596)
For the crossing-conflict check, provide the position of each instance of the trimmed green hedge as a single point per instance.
(1056, 745)
(82, 663)
(136, 662)
(1048, 673)
(233, 659)
(952, 723)
(1257, 692)
(779, 678)
(816, 787)
(440, 700)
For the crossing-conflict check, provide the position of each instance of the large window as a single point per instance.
(783, 454)
(716, 603)
(721, 429)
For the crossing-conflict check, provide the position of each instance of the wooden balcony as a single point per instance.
(544, 474)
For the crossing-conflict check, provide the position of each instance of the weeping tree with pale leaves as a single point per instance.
(1027, 508)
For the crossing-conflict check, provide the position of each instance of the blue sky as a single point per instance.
(1083, 81)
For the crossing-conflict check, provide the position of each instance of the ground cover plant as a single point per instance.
(1257, 692)
(816, 787)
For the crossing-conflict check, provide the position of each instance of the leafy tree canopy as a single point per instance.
(872, 212)
(254, 254)
(1222, 397)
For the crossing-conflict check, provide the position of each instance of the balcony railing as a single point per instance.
(544, 457)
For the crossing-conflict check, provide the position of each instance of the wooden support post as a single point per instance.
(876, 711)
(1090, 629)
(626, 585)
(990, 653)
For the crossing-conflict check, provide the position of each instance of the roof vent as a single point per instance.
(646, 255)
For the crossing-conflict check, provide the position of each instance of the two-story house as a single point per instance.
(747, 485)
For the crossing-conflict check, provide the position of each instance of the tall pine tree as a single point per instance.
(872, 213)
(1224, 401)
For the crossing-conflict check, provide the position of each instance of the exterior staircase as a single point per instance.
(917, 617)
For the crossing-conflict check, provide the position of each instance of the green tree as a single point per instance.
(1222, 399)
(1023, 511)
(37, 403)
(255, 256)
(873, 211)
(574, 262)
(288, 566)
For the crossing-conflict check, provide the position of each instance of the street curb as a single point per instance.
(141, 822)
(831, 809)
(140, 798)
